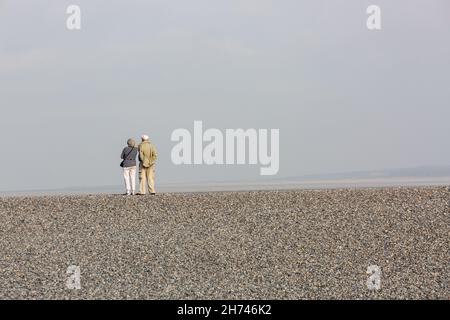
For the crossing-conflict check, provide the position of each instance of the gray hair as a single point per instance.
(131, 143)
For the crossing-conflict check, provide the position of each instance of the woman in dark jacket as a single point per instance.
(128, 164)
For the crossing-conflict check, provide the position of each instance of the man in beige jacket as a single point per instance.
(147, 159)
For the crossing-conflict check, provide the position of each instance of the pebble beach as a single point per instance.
(289, 244)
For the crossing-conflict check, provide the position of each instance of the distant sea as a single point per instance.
(247, 186)
(416, 176)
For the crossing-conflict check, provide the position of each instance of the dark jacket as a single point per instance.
(129, 157)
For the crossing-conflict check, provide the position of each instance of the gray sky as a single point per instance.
(344, 98)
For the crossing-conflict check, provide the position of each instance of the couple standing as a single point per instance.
(147, 159)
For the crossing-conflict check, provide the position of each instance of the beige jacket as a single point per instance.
(147, 154)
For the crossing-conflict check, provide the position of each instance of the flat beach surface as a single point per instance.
(305, 244)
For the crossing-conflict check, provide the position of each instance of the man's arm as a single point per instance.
(141, 153)
(154, 154)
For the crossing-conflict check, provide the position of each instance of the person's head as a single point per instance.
(144, 137)
(131, 143)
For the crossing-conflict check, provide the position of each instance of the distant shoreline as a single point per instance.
(249, 186)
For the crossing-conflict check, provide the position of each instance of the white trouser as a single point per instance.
(129, 174)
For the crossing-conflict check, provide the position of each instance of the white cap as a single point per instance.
(144, 137)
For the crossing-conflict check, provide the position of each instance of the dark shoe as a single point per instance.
(140, 194)
(153, 193)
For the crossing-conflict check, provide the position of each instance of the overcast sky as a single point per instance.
(344, 98)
